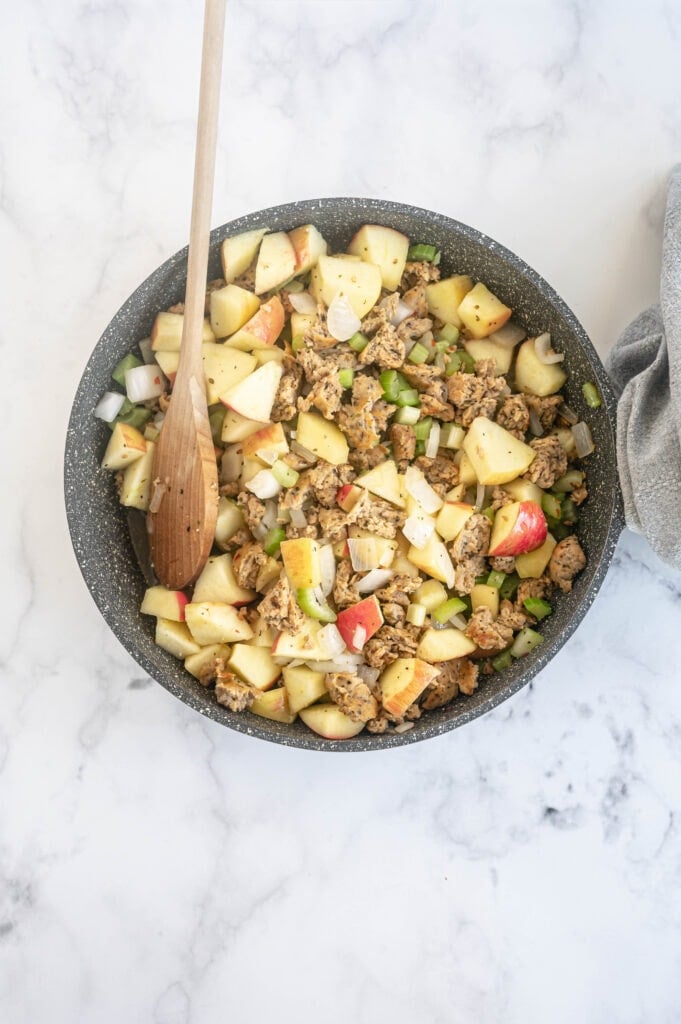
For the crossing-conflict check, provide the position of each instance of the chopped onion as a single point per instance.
(458, 621)
(332, 642)
(363, 553)
(398, 311)
(158, 489)
(374, 579)
(419, 488)
(304, 453)
(433, 442)
(264, 484)
(298, 518)
(270, 517)
(144, 382)
(536, 427)
(303, 302)
(341, 320)
(359, 638)
(109, 406)
(259, 531)
(327, 564)
(480, 496)
(509, 335)
(584, 443)
(545, 354)
(146, 351)
(268, 455)
(340, 663)
(404, 727)
(418, 530)
(232, 464)
(368, 674)
(568, 414)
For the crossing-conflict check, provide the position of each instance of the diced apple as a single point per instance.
(495, 454)
(166, 334)
(211, 622)
(276, 262)
(304, 644)
(430, 594)
(169, 362)
(273, 705)
(359, 622)
(202, 665)
(518, 527)
(484, 596)
(301, 322)
(302, 562)
(434, 560)
(404, 681)
(268, 355)
(482, 312)
(348, 496)
(523, 490)
(136, 485)
(239, 251)
(385, 549)
(262, 330)
(328, 720)
(269, 439)
(236, 427)
(229, 521)
(164, 603)
(444, 644)
(230, 308)
(322, 438)
(532, 564)
(175, 638)
(267, 573)
(485, 348)
(452, 518)
(385, 248)
(467, 475)
(359, 282)
(250, 468)
(444, 298)
(384, 482)
(303, 686)
(224, 367)
(534, 377)
(218, 583)
(125, 446)
(308, 245)
(263, 635)
(254, 396)
(254, 665)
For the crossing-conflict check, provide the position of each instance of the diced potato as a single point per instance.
(482, 312)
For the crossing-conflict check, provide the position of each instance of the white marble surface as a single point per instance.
(153, 866)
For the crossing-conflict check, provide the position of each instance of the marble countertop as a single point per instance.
(155, 867)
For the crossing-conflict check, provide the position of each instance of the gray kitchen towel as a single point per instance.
(645, 367)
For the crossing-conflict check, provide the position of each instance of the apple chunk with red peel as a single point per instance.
(348, 496)
(495, 455)
(276, 262)
(262, 330)
(308, 245)
(518, 527)
(254, 396)
(269, 439)
(328, 720)
(482, 312)
(358, 623)
(164, 603)
(386, 248)
(239, 251)
(403, 682)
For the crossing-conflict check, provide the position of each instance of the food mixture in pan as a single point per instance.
(401, 481)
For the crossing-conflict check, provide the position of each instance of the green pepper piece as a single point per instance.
(312, 606)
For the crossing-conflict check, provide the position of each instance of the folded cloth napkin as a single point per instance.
(645, 367)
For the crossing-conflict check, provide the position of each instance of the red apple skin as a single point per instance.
(527, 531)
(182, 600)
(366, 613)
(347, 497)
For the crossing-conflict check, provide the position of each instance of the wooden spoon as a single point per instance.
(184, 498)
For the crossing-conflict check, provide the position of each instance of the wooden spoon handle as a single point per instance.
(202, 198)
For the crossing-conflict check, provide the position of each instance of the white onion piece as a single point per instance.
(404, 727)
(264, 485)
(509, 335)
(568, 414)
(536, 427)
(341, 320)
(433, 442)
(304, 453)
(232, 464)
(584, 443)
(109, 406)
(397, 310)
(419, 488)
(268, 455)
(158, 489)
(359, 637)
(545, 354)
(270, 517)
(332, 642)
(368, 674)
(363, 553)
(327, 564)
(259, 531)
(374, 579)
(418, 530)
(303, 302)
(458, 621)
(144, 382)
(340, 663)
(146, 351)
(298, 518)
(480, 496)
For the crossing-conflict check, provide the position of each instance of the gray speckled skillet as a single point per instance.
(98, 523)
